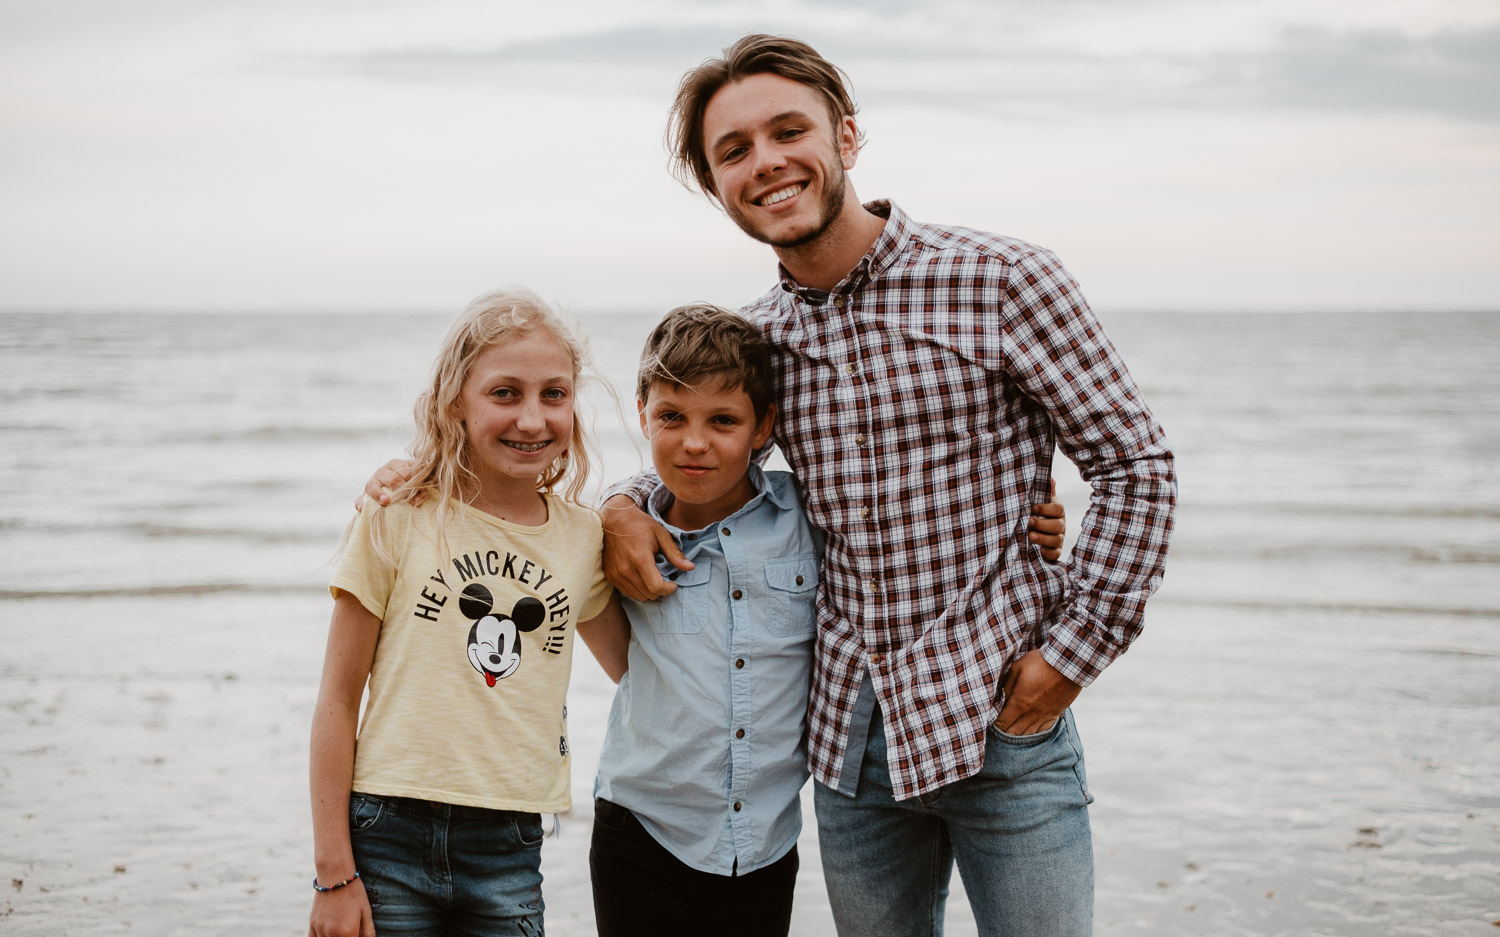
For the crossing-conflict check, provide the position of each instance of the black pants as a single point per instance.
(642, 889)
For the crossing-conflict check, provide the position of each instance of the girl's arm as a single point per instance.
(343, 912)
(608, 637)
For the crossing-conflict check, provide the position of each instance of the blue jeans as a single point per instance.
(442, 869)
(1019, 830)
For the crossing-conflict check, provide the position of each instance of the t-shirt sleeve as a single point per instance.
(362, 571)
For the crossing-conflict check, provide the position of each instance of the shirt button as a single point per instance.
(799, 580)
(859, 439)
(737, 594)
(692, 536)
(877, 659)
(739, 664)
(864, 513)
(739, 733)
(736, 806)
(724, 531)
(673, 576)
(849, 369)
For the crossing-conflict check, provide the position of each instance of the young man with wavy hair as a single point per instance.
(925, 374)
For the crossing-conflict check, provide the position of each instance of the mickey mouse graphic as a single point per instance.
(495, 639)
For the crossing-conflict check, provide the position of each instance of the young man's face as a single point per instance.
(778, 158)
(702, 436)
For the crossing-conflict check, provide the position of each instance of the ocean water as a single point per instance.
(1305, 740)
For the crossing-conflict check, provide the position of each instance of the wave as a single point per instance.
(1327, 551)
(163, 591)
(289, 434)
(1312, 509)
(156, 531)
(1310, 605)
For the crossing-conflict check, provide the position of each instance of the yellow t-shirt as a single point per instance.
(467, 688)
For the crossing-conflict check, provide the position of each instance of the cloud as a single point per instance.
(673, 48)
(1452, 73)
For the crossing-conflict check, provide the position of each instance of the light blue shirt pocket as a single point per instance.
(690, 606)
(791, 587)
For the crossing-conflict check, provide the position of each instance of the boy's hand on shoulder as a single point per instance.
(1048, 526)
(387, 479)
(631, 542)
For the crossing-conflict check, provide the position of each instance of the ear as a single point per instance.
(848, 141)
(763, 427)
(528, 613)
(476, 601)
(640, 408)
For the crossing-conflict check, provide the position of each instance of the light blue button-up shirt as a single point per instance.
(705, 742)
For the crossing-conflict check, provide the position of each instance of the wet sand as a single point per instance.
(1258, 771)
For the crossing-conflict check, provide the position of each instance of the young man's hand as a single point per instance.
(631, 542)
(1035, 696)
(1048, 527)
(387, 479)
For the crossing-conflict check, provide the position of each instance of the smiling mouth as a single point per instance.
(528, 447)
(780, 195)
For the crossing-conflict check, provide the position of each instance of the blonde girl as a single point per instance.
(456, 605)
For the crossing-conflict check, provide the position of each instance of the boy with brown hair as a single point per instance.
(697, 812)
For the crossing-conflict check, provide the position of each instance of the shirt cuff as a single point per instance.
(637, 488)
(1078, 651)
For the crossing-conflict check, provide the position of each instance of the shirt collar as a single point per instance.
(887, 247)
(661, 499)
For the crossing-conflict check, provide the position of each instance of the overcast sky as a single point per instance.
(395, 155)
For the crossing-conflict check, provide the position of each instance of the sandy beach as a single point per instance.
(1305, 741)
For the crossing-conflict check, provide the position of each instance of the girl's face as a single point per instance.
(517, 409)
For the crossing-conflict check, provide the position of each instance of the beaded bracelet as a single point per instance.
(317, 887)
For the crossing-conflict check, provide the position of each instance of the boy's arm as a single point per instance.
(608, 636)
(387, 479)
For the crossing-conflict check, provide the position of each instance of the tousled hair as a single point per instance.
(754, 54)
(699, 341)
(440, 454)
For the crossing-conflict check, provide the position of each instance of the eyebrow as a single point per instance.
(783, 116)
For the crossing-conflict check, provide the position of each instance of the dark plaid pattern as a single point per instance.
(920, 403)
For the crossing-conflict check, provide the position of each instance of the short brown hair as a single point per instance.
(697, 341)
(755, 54)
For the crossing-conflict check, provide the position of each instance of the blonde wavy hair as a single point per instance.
(440, 454)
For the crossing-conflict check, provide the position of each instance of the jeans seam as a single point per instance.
(932, 888)
(1083, 788)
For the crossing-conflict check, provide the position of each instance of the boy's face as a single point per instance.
(702, 436)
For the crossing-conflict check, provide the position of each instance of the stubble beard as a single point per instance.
(833, 205)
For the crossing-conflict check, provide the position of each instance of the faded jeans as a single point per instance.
(442, 869)
(1019, 831)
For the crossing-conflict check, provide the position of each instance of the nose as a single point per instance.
(694, 440)
(530, 417)
(768, 159)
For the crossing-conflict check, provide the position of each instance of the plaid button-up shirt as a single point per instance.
(920, 403)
